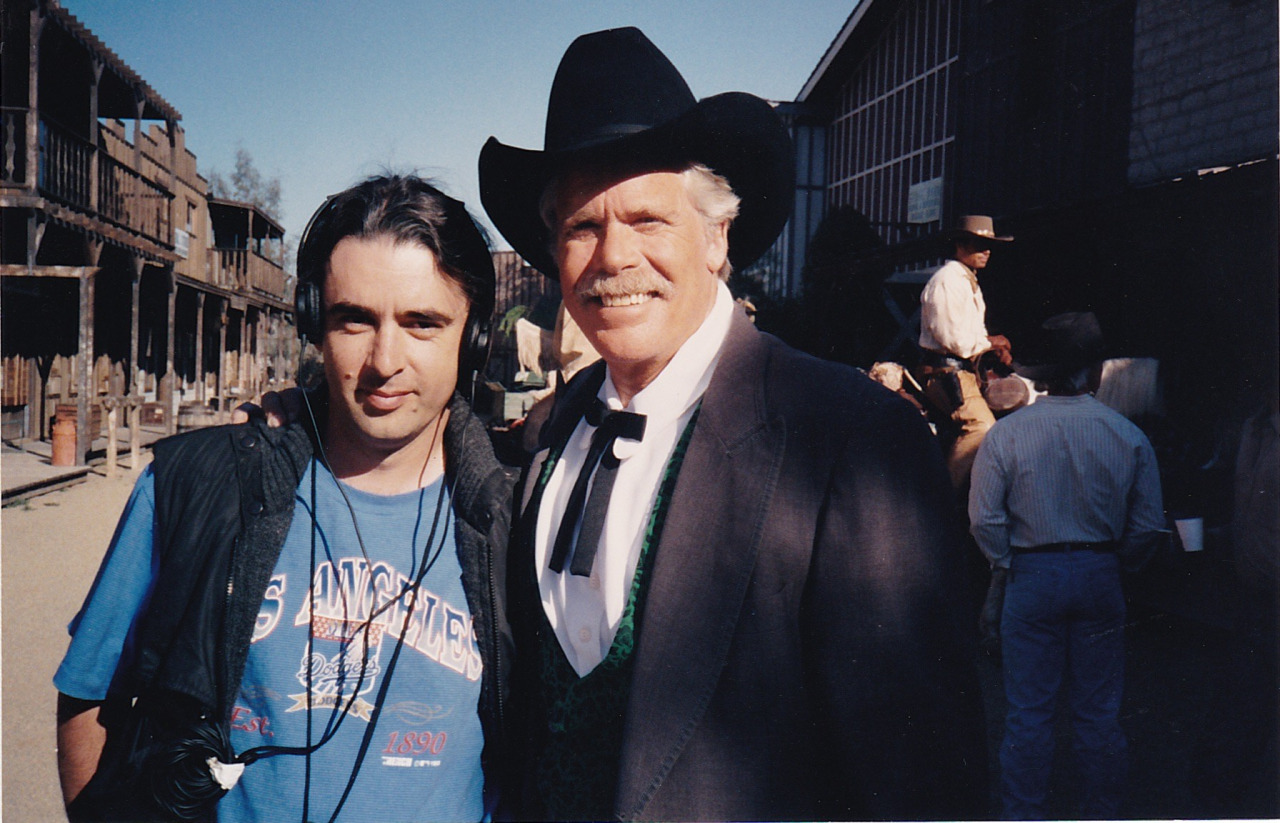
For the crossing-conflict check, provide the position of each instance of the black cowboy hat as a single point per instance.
(616, 99)
(1069, 342)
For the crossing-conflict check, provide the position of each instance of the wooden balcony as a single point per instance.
(72, 171)
(245, 270)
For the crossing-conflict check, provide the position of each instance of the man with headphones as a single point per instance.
(306, 622)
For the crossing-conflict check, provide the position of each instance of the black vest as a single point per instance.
(224, 504)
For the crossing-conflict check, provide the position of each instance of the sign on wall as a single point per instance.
(924, 201)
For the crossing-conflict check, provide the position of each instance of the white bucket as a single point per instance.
(1191, 533)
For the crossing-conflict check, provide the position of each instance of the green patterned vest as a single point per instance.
(576, 762)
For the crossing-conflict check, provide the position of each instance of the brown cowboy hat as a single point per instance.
(976, 226)
(617, 99)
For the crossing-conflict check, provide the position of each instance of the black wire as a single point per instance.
(339, 711)
(332, 726)
(395, 655)
(180, 781)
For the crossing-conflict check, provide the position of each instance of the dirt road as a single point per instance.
(50, 547)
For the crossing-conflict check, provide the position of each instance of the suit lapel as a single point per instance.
(703, 565)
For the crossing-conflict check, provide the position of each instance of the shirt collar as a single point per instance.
(969, 273)
(684, 380)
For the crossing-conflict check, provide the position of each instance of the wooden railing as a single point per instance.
(229, 268)
(13, 145)
(65, 163)
(65, 171)
(242, 269)
(128, 199)
(266, 277)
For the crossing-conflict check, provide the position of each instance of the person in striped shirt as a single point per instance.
(1065, 495)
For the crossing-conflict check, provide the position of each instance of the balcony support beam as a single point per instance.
(222, 356)
(134, 386)
(85, 388)
(170, 378)
(33, 101)
(36, 223)
(95, 81)
(140, 106)
(200, 388)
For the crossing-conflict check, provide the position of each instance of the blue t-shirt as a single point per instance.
(423, 759)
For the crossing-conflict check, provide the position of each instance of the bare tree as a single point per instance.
(247, 185)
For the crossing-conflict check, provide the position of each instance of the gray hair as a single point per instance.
(711, 194)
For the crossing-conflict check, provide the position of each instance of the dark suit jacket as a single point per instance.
(804, 653)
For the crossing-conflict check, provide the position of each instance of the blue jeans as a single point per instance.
(1063, 618)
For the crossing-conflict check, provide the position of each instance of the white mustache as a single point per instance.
(622, 285)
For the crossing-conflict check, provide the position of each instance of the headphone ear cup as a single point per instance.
(474, 354)
(306, 305)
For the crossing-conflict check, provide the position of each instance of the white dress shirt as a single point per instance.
(585, 611)
(953, 315)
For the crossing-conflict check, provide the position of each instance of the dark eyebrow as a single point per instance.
(437, 318)
(431, 316)
(347, 309)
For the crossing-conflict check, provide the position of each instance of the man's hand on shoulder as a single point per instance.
(278, 408)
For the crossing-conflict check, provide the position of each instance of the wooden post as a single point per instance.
(32, 170)
(92, 130)
(84, 371)
(242, 364)
(135, 434)
(261, 359)
(35, 400)
(113, 438)
(139, 107)
(200, 387)
(84, 365)
(170, 412)
(134, 377)
(222, 356)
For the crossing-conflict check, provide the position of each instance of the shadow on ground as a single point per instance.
(1200, 713)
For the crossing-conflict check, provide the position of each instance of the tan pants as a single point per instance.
(974, 419)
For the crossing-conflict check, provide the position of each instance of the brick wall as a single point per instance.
(1204, 86)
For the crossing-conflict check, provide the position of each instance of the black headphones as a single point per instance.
(308, 300)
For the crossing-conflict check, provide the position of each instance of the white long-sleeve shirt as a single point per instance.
(953, 313)
(585, 611)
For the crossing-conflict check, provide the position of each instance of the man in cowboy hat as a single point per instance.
(761, 621)
(953, 334)
(1065, 494)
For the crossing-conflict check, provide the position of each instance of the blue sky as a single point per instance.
(323, 93)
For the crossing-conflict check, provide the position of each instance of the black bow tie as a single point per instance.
(610, 425)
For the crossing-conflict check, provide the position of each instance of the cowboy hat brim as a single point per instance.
(956, 234)
(736, 135)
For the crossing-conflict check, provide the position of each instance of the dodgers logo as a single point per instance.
(357, 607)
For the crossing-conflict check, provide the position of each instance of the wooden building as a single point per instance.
(122, 283)
(1129, 145)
